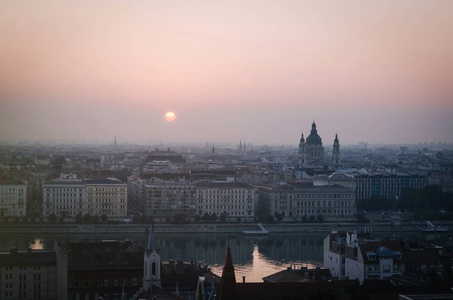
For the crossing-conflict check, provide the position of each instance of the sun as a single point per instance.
(170, 116)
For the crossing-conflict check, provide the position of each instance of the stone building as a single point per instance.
(68, 196)
(235, 199)
(13, 198)
(305, 201)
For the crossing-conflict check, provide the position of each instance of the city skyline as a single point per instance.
(376, 72)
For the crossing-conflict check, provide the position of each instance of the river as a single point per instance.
(253, 257)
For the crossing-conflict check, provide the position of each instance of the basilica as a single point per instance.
(311, 150)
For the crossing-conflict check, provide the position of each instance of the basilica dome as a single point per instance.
(314, 138)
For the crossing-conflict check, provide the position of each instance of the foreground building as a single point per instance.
(107, 269)
(357, 256)
(32, 274)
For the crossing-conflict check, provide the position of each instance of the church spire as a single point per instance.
(227, 289)
(151, 263)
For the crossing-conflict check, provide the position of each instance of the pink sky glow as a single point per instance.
(373, 71)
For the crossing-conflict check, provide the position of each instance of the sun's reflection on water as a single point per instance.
(37, 244)
(260, 267)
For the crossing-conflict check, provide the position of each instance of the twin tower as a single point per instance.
(311, 150)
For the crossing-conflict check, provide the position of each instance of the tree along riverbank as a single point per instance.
(10, 228)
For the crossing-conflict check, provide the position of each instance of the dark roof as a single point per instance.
(299, 275)
(29, 257)
(231, 185)
(314, 138)
(288, 290)
(65, 182)
(103, 181)
(11, 181)
(104, 255)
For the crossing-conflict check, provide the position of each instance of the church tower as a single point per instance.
(336, 151)
(302, 151)
(152, 263)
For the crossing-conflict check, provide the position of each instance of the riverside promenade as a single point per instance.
(14, 228)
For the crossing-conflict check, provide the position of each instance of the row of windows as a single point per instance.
(10, 189)
(110, 189)
(217, 191)
(108, 283)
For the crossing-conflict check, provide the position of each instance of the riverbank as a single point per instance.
(11, 228)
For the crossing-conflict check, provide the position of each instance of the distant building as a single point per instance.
(336, 159)
(311, 151)
(168, 155)
(13, 198)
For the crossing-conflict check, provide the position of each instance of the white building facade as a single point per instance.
(235, 199)
(67, 196)
(353, 256)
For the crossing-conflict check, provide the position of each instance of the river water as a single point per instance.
(253, 257)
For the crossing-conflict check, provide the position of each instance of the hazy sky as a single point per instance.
(376, 71)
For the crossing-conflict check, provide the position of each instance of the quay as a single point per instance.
(238, 228)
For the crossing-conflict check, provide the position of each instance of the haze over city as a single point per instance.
(372, 71)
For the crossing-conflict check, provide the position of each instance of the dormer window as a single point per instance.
(371, 255)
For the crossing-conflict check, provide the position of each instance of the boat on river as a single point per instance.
(262, 231)
(431, 228)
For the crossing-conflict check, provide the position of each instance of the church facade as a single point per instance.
(311, 150)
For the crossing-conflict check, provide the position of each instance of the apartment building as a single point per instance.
(165, 200)
(106, 196)
(13, 198)
(69, 196)
(236, 199)
(65, 197)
